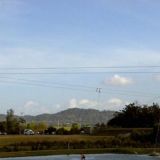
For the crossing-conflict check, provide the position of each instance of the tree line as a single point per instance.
(136, 116)
(132, 116)
(16, 125)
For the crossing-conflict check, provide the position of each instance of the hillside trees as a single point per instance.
(136, 116)
(75, 129)
(2, 126)
(13, 124)
(37, 127)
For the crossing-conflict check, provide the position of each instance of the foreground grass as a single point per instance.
(10, 139)
(16, 141)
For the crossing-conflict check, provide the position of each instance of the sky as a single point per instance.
(54, 54)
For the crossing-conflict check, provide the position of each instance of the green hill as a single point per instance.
(74, 115)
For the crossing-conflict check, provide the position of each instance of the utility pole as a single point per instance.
(98, 91)
(58, 124)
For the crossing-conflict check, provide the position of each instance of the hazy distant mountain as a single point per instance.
(90, 116)
(83, 116)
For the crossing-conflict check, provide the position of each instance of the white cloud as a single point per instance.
(73, 103)
(30, 104)
(111, 104)
(82, 103)
(115, 104)
(115, 101)
(119, 80)
(87, 102)
(34, 108)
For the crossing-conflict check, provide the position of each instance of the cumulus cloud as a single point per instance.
(87, 102)
(82, 103)
(30, 104)
(115, 101)
(34, 108)
(119, 80)
(73, 103)
(115, 104)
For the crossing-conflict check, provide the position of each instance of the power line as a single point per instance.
(50, 83)
(43, 85)
(76, 73)
(66, 84)
(71, 87)
(75, 86)
(144, 69)
(80, 67)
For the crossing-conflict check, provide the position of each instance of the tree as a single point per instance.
(136, 116)
(3, 126)
(99, 128)
(31, 125)
(50, 130)
(75, 129)
(13, 123)
(22, 125)
(60, 131)
(41, 127)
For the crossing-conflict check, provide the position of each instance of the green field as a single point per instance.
(12, 143)
(21, 145)
(10, 139)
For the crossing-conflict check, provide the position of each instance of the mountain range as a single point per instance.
(73, 115)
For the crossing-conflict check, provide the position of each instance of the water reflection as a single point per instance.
(89, 157)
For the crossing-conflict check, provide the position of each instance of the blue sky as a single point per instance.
(78, 33)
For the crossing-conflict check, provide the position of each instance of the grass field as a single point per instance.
(10, 139)
(11, 143)
(36, 145)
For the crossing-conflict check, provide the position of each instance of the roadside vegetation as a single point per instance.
(132, 130)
